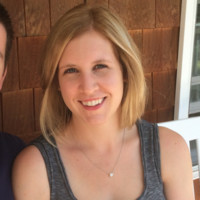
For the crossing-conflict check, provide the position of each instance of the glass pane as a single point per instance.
(194, 115)
(195, 83)
(193, 151)
(196, 53)
(198, 13)
(195, 93)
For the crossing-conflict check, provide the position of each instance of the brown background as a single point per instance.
(154, 25)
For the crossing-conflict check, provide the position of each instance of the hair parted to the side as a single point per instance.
(6, 22)
(54, 113)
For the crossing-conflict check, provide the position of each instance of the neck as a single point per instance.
(100, 137)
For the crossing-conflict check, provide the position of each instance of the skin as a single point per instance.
(94, 133)
(91, 76)
(2, 54)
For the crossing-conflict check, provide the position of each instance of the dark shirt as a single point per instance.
(10, 146)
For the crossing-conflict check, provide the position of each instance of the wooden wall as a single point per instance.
(154, 25)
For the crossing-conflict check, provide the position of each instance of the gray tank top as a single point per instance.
(150, 151)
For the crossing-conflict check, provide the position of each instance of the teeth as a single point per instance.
(92, 103)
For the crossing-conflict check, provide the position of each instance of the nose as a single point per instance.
(88, 83)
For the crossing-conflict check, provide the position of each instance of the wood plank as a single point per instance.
(18, 112)
(28, 137)
(99, 2)
(160, 49)
(37, 17)
(59, 7)
(150, 116)
(136, 14)
(137, 37)
(165, 114)
(164, 89)
(151, 49)
(11, 81)
(168, 13)
(29, 61)
(148, 78)
(197, 189)
(16, 12)
(38, 95)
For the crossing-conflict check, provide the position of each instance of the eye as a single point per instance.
(70, 71)
(100, 66)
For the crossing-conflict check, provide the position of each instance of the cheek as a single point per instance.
(115, 81)
(119, 86)
(67, 96)
(67, 90)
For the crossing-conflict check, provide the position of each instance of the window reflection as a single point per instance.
(195, 80)
(195, 93)
(196, 54)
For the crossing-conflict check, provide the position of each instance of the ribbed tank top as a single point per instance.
(150, 151)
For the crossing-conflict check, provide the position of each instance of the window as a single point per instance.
(194, 108)
(187, 100)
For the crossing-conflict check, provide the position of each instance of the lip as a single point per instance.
(93, 104)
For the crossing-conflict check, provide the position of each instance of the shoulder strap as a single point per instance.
(58, 182)
(156, 145)
(150, 149)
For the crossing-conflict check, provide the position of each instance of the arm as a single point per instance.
(176, 167)
(29, 177)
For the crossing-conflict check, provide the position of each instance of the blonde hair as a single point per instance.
(54, 114)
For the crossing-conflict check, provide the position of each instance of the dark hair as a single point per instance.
(6, 22)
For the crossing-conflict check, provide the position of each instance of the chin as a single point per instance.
(95, 121)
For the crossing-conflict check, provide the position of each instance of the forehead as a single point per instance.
(88, 44)
(2, 41)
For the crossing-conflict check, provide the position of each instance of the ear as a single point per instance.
(2, 78)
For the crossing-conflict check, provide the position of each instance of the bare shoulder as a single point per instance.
(29, 154)
(29, 175)
(173, 148)
(172, 141)
(175, 161)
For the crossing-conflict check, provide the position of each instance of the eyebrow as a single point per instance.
(67, 66)
(102, 60)
(94, 62)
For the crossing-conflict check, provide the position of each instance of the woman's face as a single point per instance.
(90, 79)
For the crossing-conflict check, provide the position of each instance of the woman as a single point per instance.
(94, 145)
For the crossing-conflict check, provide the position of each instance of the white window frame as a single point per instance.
(185, 57)
(184, 69)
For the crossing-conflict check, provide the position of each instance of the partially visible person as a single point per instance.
(94, 143)
(10, 145)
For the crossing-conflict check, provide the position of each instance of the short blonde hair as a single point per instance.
(54, 113)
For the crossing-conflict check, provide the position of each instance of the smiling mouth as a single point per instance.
(93, 102)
